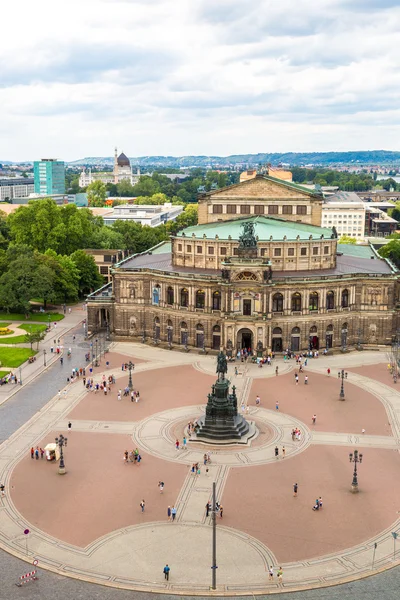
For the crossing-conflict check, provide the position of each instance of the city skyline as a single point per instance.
(177, 78)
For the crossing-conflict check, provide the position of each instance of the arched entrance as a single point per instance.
(157, 329)
(216, 337)
(277, 340)
(103, 318)
(244, 339)
(314, 340)
(329, 337)
(295, 339)
(199, 335)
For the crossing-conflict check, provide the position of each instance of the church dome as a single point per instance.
(123, 160)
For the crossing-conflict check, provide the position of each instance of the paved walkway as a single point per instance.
(28, 372)
(132, 557)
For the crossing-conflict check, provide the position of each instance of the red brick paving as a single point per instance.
(379, 372)
(260, 502)
(115, 359)
(99, 493)
(160, 389)
(360, 410)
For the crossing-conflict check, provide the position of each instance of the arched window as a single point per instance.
(313, 330)
(217, 329)
(157, 328)
(277, 331)
(330, 300)
(329, 337)
(216, 301)
(296, 302)
(313, 301)
(156, 294)
(170, 331)
(170, 295)
(184, 297)
(200, 299)
(184, 334)
(277, 303)
(345, 298)
(296, 331)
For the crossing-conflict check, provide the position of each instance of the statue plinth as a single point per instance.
(221, 422)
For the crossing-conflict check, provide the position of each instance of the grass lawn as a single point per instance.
(5, 324)
(3, 373)
(33, 327)
(13, 357)
(40, 317)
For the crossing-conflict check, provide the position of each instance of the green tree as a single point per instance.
(390, 250)
(25, 279)
(154, 199)
(346, 239)
(4, 231)
(38, 224)
(188, 218)
(395, 211)
(89, 276)
(96, 193)
(65, 285)
(125, 188)
(146, 186)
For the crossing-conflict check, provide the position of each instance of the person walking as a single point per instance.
(313, 419)
(166, 572)
(221, 511)
(295, 489)
(2, 488)
(177, 444)
(258, 401)
(184, 442)
(32, 453)
(142, 505)
(169, 513)
(280, 574)
(173, 513)
(161, 486)
(306, 379)
(41, 453)
(271, 573)
(328, 371)
(277, 405)
(208, 509)
(276, 452)
(276, 370)
(37, 453)
(296, 378)
(69, 425)
(283, 451)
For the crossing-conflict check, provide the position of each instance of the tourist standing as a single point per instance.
(173, 513)
(276, 452)
(142, 505)
(295, 489)
(166, 572)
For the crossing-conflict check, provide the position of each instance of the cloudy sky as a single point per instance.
(212, 77)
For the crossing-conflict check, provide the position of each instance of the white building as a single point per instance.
(146, 214)
(122, 170)
(346, 212)
(16, 187)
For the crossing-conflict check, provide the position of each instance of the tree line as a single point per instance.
(42, 250)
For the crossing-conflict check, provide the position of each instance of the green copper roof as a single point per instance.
(361, 251)
(265, 227)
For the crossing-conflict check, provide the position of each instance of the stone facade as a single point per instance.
(262, 195)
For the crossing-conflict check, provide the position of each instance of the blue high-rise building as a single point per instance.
(49, 175)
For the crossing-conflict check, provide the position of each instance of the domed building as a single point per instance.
(257, 272)
(122, 168)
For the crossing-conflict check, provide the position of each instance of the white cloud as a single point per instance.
(198, 77)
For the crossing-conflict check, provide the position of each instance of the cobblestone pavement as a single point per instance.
(383, 585)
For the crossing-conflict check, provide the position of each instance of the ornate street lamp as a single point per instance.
(96, 362)
(44, 357)
(108, 331)
(186, 340)
(342, 375)
(131, 366)
(61, 441)
(144, 334)
(355, 458)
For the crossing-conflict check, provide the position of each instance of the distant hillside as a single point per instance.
(370, 157)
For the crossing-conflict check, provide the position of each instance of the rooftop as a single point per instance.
(265, 228)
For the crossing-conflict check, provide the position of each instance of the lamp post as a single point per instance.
(355, 458)
(144, 334)
(359, 339)
(44, 357)
(48, 325)
(342, 375)
(61, 441)
(107, 331)
(214, 540)
(131, 366)
(96, 362)
(20, 376)
(186, 341)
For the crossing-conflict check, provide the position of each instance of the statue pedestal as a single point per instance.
(221, 423)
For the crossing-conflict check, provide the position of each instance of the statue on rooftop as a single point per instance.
(247, 239)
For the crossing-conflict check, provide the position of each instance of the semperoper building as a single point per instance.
(258, 271)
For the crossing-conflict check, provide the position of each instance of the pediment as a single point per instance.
(263, 188)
